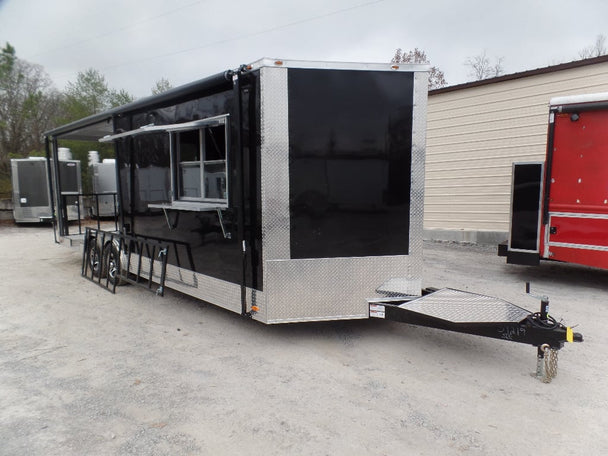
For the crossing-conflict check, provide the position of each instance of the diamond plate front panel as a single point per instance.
(326, 288)
(463, 307)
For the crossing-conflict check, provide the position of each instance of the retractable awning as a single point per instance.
(151, 128)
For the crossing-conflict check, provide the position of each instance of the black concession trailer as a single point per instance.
(286, 191)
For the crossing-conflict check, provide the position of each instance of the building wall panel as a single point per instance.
(475, 133)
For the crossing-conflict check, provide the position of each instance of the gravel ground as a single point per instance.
(85, 372)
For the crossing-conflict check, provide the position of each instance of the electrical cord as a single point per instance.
(548, 323)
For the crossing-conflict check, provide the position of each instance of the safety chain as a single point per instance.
(546, 368)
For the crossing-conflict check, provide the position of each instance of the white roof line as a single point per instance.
(310, 64)
(576, 99)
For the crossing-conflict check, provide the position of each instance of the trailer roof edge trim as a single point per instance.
(332, 65)
(575, 99)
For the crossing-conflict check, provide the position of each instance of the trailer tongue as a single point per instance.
(487, 316)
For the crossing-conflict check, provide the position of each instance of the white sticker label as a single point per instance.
(23, 200)
(376, 311)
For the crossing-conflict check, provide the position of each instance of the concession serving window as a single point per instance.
(199, 161)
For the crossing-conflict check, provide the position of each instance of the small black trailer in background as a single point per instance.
(32, 182)
(286, 191)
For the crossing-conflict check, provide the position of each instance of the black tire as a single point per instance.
(95, 262)
(111, 264)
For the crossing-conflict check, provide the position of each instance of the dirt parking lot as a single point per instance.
(85, 372)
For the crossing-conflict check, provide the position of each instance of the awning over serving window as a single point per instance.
(208, 122)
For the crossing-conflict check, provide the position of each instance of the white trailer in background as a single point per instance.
(103, 181)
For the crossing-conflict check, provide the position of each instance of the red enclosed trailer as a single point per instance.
(559, 207)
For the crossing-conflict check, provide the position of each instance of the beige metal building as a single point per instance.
(477, 130)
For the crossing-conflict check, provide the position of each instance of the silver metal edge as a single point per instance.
(206, 288)
(578, 215)
(333, 65)
(420, 97)
(600, 248)
(274, 130)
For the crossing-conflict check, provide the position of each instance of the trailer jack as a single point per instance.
(471, 313)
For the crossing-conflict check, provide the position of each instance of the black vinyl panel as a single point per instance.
(526, 205)
(70, 180)
(350, 140)
(145, 177)
(32, 179)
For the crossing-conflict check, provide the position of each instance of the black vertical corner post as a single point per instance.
(240, 183)
(62, 215)
(118, 200)
(47, 148)
(548, 165)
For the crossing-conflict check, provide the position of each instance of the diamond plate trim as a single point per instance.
(275, 163)
(418, 161)
(464, 307)
(209, 289)
(328, 288)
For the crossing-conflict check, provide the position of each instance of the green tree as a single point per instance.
(86, 96)
(89, 95)
(162, 85)
(7, 62)
(28, 105)
(119, 98)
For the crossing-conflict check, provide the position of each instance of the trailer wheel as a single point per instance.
(94, 257)
(111, 264)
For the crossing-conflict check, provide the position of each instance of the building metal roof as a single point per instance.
(522, 74)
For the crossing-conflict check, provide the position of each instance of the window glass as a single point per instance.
(201, 155)
(215, 180)
(215, 143)
(189, 164)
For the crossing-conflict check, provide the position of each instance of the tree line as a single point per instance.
(30, 105)
(482, 66)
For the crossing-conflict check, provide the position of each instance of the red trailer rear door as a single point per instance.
(578, 204)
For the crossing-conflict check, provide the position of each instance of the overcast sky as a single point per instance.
(134, 43)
